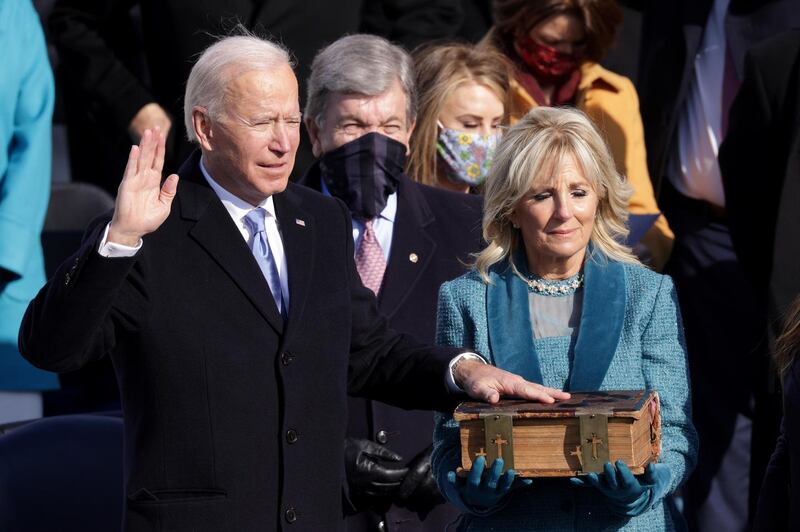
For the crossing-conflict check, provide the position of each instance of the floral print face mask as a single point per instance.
(467, 156)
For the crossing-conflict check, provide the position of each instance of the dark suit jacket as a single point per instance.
(760, 162)
(779, 501)
(234, 420)
(672, 33)
(441, 229)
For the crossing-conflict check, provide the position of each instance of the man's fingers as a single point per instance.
(169, 189)
(385, 475)
(133, 161)
(158, 161)
(146, 149)
(386, 454)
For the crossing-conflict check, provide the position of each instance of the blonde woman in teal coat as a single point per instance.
(555, 298)
(26, 110)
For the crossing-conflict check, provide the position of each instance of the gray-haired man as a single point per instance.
(409, 238)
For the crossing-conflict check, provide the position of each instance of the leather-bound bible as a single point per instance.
(565, 438)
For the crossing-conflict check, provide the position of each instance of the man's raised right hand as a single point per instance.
(142, 202)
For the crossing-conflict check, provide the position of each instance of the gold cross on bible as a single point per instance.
(595, 441)
(499, 441)
(480, 453)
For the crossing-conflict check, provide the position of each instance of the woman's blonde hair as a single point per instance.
(528, 156)
(440, 70)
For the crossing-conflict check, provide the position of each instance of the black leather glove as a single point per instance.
(373, 473)
(419, 492)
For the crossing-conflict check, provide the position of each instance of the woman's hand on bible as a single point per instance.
(483, 492)
(627, 495)
(142, 202)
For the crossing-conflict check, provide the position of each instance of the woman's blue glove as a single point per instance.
(481, 493)
(627, 495)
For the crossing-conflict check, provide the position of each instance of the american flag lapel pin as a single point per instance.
(301, 223)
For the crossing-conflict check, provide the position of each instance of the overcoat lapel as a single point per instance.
(602, 316)
(216, 233)
(409, 240)
(297, 232)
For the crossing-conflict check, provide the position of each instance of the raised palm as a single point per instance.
(142, 202)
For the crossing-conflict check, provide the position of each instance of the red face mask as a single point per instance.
(548, 65)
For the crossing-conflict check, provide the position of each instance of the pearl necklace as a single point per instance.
(560, 287)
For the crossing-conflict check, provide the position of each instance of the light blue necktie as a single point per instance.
(264, 257)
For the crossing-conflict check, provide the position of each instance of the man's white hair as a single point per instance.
(221, 62)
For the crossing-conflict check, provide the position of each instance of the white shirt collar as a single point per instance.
(236, 206)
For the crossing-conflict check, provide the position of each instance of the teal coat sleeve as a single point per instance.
(665, 368)
(26, 110)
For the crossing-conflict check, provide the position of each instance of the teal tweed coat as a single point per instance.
(26, 113)
(630, 337)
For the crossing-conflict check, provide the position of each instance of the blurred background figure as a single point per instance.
(691, 64)
(26, 112)
(463, 91)
(779, 502)
(760, 163)
(123, 63)
(555, 46)
(409, 238)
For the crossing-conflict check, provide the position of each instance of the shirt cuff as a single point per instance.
(112, 250)
(450, 380)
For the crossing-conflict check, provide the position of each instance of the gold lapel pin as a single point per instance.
(413, 258)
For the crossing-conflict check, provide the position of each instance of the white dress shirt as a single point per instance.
(694, 170)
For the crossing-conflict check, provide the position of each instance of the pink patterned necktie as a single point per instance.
(370, 262)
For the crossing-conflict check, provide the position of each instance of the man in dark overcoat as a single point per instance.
(229, 302)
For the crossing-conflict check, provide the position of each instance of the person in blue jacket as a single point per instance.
(556, 298)
(26, 111)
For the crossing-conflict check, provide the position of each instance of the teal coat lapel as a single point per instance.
(602, 316)
(510, 333)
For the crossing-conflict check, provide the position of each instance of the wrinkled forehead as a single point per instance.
(256, 90)
(372, 109)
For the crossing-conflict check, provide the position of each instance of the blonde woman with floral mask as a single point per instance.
(462, 105)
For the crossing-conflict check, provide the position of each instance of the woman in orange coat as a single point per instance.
(555, 46)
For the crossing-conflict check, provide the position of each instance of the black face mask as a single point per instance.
(364, 172)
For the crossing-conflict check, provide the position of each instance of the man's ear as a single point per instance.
(313, 136)
(202, 127)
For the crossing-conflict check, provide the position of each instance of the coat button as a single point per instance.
(286, 358)
(291, 436)
(382, 437)
(290, 515)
